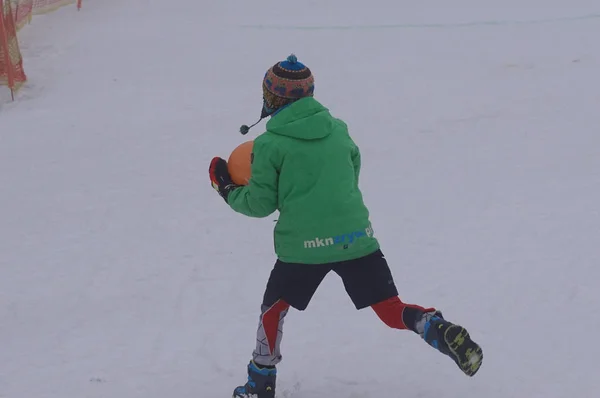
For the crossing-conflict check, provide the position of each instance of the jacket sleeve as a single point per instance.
(259, 198)
(356, 162)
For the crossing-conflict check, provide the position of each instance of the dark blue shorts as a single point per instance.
(367, 280)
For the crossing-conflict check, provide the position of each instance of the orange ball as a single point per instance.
(239, 164)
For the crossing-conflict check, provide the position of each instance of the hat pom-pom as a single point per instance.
(292, 59)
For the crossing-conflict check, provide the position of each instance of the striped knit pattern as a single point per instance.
(286, 82)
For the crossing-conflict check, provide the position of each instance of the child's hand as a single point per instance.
(220, 178)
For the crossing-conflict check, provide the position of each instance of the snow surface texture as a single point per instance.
(123, 274)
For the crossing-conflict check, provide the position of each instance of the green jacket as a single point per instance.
(306, 166)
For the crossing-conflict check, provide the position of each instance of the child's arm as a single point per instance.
(259, 197)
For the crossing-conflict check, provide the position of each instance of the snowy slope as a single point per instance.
(122, 273)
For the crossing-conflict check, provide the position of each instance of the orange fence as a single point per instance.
(14, 14)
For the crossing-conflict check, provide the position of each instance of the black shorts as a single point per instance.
(367, 280)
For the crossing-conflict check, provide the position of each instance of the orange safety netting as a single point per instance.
(24, 9)
(11, 62)
(14, 14)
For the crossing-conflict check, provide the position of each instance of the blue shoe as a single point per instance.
(261, 383)
(454, 341)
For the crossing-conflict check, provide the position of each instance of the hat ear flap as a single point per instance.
(266, 111)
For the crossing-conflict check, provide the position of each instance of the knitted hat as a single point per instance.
(286, 82)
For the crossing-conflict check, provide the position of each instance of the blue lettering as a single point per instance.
(350, 237)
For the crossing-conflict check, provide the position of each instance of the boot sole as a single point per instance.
(467, 354)
(251, 396)
(267, 394)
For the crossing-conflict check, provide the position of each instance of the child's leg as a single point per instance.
(290, 285)
(269, 334)
(369, 283)
(262, 373)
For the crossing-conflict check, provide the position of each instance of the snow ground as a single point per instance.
(122, 274)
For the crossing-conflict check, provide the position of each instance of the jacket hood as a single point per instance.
(305, 119)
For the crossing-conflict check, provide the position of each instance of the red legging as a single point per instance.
(398, 315)
(393, 312)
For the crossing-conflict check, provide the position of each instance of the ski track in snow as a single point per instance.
(123, 274)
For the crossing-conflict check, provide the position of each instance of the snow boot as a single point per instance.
(260, 384)
(453, 341)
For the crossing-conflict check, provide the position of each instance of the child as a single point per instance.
(306, 166)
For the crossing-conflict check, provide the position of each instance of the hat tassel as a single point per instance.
(245, 128)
